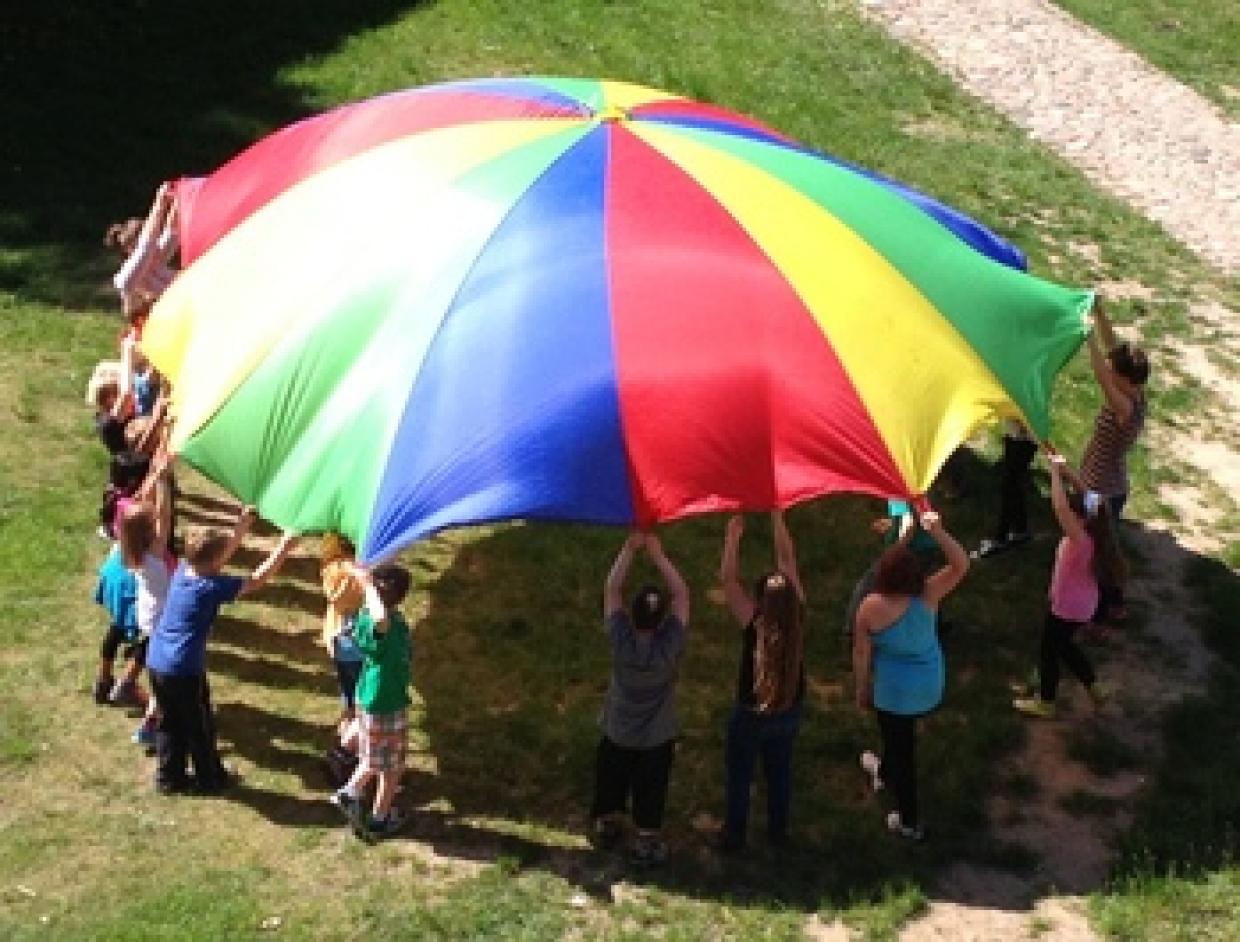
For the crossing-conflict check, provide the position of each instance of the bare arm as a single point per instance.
(671, 577)
(613, 587)
(1069, 522)
(1102, 324)
(245, 520)
(786, 552)
(941, 583)
(271, 565)
(739, 602)
(1115, 397)
(862, 657)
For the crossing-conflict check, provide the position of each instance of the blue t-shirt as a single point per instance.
(179, 641)
(117, 592)
(908, 663)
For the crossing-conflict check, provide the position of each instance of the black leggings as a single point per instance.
(112, 641)
(898, 767)
(1017, 454)
(1057, 645)
(644, 772)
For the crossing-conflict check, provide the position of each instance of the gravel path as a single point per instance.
(1130, 128)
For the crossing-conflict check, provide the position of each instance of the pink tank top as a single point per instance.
(1074, 588)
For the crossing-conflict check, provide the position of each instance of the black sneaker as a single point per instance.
(380, 828)
(354, 814)
(606, 833)
(648, 851)
(218, 785)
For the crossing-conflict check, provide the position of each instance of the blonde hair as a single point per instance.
(780, 645)
(204, 544)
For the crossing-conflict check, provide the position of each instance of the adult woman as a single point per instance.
(899, 665)
(770, 686)
(1122, 373)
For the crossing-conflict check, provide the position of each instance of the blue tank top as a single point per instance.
(908, 663)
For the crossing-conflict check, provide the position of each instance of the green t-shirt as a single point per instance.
(383, 686)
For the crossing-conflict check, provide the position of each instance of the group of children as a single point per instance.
(163, 593)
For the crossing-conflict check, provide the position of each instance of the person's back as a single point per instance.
(179, 641)
(383, 686)
(640, 708)
(908, 662)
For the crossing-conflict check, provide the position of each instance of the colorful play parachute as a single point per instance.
(580, 300)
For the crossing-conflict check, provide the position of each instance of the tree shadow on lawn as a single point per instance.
(105, 100)
(246, 636)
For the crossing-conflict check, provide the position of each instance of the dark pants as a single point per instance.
(750, 735)
(1017, 455)
(112, 641)
(898, 766)
(186, 728)
(1057, 645)
(644, 773)
(1111, 596)
(347, 675)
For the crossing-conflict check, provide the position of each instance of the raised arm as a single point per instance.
(862, 657)
(675, 583)
(739, 602)
(786, 552)
(941, 583)
(270, 565)
(245, 520)
(613, 587)
(1069, 522)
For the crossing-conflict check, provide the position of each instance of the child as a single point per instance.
(1086, 555)
(117, 592)
(898, 663)
(639, 714)
(111, 410)
(176, 659)
(770, 686)
(143, 537)
(383, 637)
(344, 598)
(147, 249)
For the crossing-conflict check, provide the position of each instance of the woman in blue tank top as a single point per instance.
(899, 664)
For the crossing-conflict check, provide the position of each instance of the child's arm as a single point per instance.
(786, 552)
(614, 584)
(271, 565)
(671, 576)
(939, 585)
(1069, 522)
(245, 520)
(1103, 333)
(739, 602)
(862, 657)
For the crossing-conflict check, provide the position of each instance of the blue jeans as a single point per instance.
(348, 661)
(750, 735)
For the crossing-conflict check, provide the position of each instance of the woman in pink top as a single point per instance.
(1086, 556)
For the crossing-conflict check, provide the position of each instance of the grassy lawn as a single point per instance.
(510, 665)
(1194, 40)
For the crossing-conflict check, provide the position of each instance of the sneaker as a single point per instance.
(385, 827)
(103, 687)
(103, 534)
(144, 735)
(125, 694)
(870, 765)
(353, 812)
(896, 826)
(210, 788)
(606, 833)
(989, 548)
(648, 851)
(1035, 707)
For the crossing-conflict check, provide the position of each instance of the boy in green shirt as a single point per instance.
(382, 635)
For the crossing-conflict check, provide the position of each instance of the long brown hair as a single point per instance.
(1108, 563)
(780, 645)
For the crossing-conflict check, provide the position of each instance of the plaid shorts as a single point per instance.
(383, 741)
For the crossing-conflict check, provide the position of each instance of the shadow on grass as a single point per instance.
(105, 100)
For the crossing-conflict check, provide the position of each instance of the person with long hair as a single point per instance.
(1087, 557)
(770, 687)
(639, 722)
(898, 663)
(1122, 370)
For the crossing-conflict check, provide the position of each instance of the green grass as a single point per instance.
(1194, 40)
(510, 664)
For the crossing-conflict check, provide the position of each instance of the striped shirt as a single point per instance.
(1105, 467)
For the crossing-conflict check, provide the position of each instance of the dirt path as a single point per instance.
(1130, 128)
(1140, 134)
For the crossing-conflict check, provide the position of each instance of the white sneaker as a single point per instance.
(896, 826)
(870, 765)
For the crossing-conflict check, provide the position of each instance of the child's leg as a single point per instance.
(777, 767)
(1054, 635)
(170, 739)
(386, 792)
(739, 754)
(388, 759)
(1075, 658)
(107, 662)
(899, 765)
(610, 780)
(651, 775)
(200, 734)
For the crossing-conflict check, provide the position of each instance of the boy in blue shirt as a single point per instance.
(176, 659)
